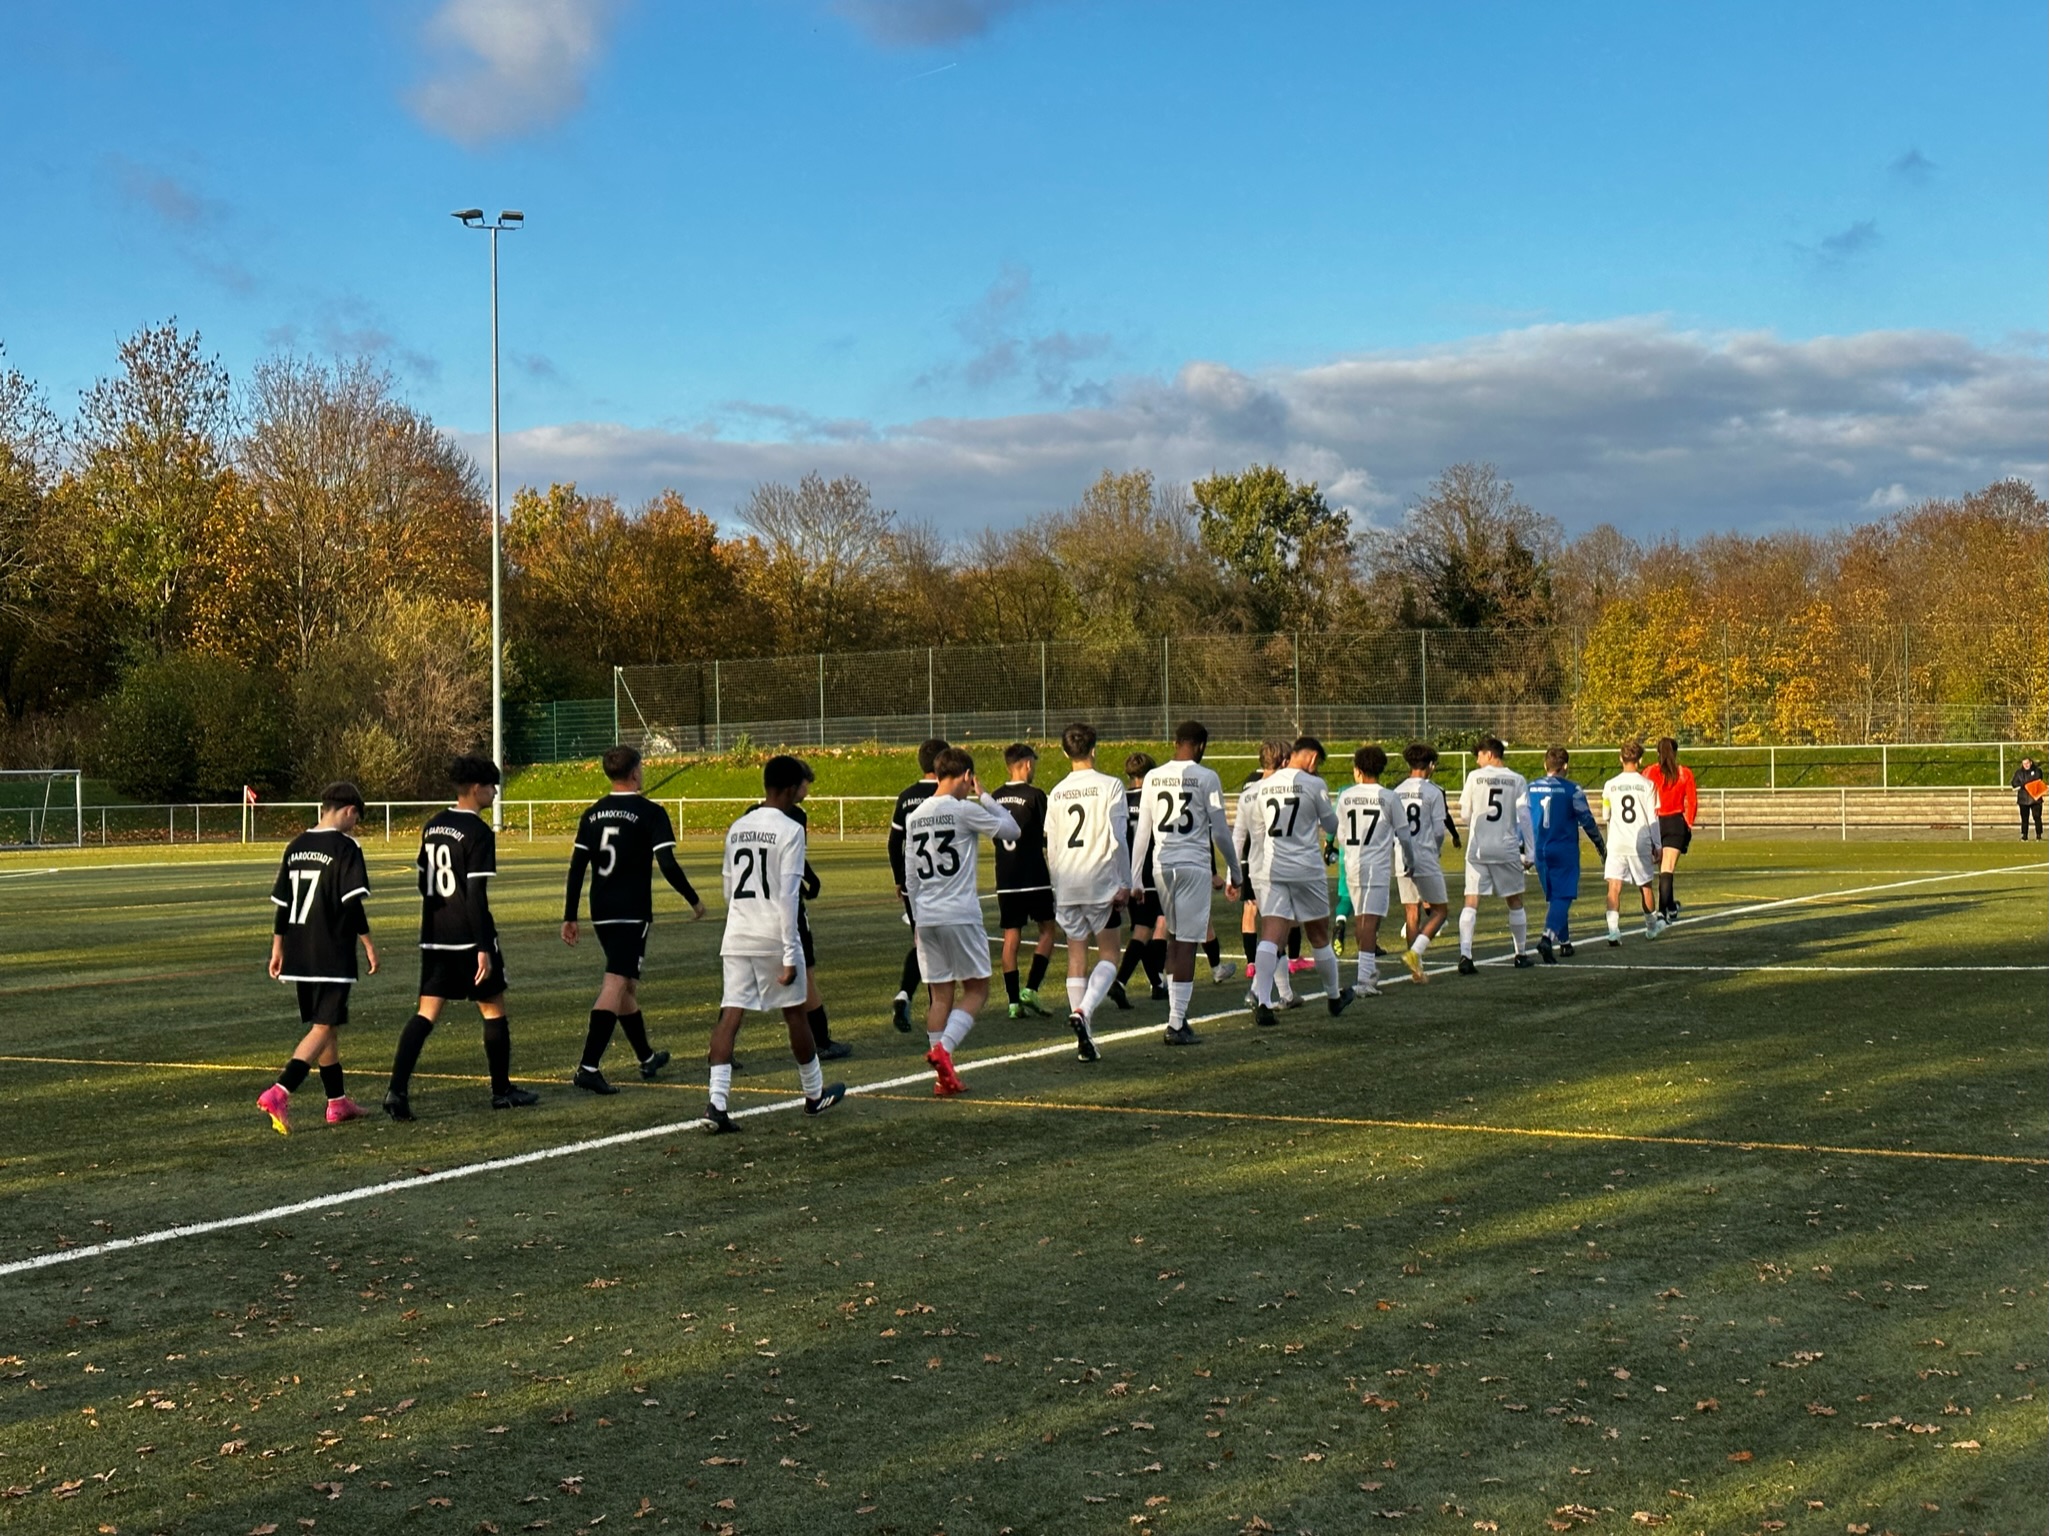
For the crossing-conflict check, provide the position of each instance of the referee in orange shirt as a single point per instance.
(1678, 809)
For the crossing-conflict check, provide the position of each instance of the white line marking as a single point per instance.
(671, 1128)
(22, 874)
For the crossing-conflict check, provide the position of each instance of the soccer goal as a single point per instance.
(42, 808)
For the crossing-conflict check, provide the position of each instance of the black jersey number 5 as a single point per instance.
(1494, 802)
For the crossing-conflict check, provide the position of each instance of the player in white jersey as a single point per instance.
(1292, 816)
(1181, 824)
(1494, 804)
(763, 951)
(1090, 859)
(942, 860)
(1419, 877)
(1629, 804)
(1273, 755)
(1372, 824)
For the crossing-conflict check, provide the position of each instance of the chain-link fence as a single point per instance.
(1729, 684)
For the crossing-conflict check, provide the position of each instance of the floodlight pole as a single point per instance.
(473, 218)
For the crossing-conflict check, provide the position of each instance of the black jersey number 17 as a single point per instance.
(1372, 814)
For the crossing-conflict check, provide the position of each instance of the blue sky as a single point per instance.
(1747, 265)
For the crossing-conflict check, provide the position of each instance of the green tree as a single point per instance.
(1279, 540)
(152, 450)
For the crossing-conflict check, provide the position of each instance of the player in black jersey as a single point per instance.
(908, 801)
(319, 894)
(829, 1049)
(459, 955)
(618, 843)
(1024, 886)
(1148, 946)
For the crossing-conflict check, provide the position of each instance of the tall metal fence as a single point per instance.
(1729, 684)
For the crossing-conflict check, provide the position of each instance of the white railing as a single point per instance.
(1965, 809)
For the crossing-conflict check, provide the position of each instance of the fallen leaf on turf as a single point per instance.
(332, 1490)
(1965, 1445)
(1821, 1410)
(1708, 1405)
(725, 1461)
(263, 1530)
(571, 1485)
(486, 1528)
(233, 1447)
(647, 1507)
(1312, 1456)
(69, 1489)
(932, 1364)
(1485, 1525)
(441, 1502)
(1371, 1487)
(727, 1504)
(1740, 1456)
(1858, 1530)
(566, 1416)
(1645, 1517)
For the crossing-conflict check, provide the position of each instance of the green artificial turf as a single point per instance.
(1401, 1270)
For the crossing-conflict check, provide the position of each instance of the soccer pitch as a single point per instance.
(1740, 1230)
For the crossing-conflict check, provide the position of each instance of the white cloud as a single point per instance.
(508, 67)
(1628, 421)
(925, 23)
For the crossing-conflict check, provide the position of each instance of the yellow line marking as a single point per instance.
(972, 1100)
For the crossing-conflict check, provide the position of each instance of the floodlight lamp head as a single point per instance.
(468, 215)
(511, 216)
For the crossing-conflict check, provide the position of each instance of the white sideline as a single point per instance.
(670, 1128)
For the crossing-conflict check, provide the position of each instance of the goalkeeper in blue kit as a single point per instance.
(1558, 810)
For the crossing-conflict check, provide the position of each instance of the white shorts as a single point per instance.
(1299, 901)
(953, 951)
(752, 984)
(1372, 902)
(1503, 877)
(1082, 922)
(1422, 887)
(1185, 903)
(1632, 863)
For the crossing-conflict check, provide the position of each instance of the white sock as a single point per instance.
(903, 997)
(1649, 919)
(1327, 967)
(1468, 921)
(1421, 945)
(1077, 986)
(1614, 924)
(1268, 958)
(811, 1077)
(1179, 995)
(932, 1039)
(1369, 968)
(721, 1085)
(1098, 988)
(1519, 927)
(958, 1023)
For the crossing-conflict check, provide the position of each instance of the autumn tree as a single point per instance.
(1472, 555)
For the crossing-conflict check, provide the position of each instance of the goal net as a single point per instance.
(42, 808)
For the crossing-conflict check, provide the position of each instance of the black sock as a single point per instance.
(821, 1029)
(1038, 971)
(331, 1080)
(1251, 948)
(498, 1053)
(634, 1026)
(1010, 983)
(603, 1022)
(1213, 952)
(294, 1074)
(410, 1039)
(1134, 952)
(1295, 943)
(1664, 893)
(909, 984)
(1156, 960)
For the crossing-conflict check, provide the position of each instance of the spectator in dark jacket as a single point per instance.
(2030, 799)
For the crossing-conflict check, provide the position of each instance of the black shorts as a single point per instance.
(1016, 908)
(804, 938)
(1145, 912)
(625, 944)
(1674, 832)
(324, 1002)
(450, 974)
